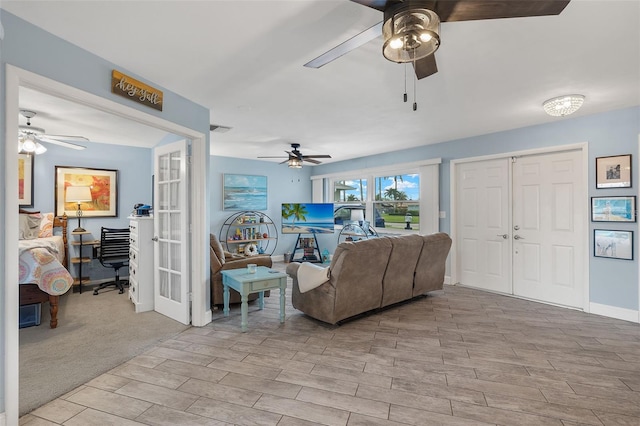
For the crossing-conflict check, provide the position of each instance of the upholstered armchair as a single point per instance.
(222, 260)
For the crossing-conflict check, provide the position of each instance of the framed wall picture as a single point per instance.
(244, 192)
(613, 172)
(103, 184)
(613, 209)
(25, 180)
(613, 244)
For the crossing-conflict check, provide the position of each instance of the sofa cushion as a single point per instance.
(217, 248)
(311, 276)
(398, 278)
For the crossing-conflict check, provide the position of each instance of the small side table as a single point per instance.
(80, 259)
(245, 283)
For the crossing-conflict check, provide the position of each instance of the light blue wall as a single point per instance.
(133, 186)
(612, 282)
(285, 185)
(30, 48)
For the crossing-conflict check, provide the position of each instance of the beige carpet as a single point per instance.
(94, 334)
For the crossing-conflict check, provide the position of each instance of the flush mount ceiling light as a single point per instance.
(563, 105)
(410, 33)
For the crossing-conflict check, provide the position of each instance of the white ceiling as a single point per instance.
(244, 61)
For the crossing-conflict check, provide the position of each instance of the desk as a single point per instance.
(245, 283)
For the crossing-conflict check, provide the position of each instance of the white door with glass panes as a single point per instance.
(172, 283)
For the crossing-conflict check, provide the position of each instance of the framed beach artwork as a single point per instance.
(103, 184)
(613, 209)
(244, 192)
(613, 244)
(307, 218)
(25, 180)
(613, 172)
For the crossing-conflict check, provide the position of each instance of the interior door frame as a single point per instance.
(15, 78)
(583, 147)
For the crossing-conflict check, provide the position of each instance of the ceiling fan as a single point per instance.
(296, 158)
(411, 28)
(30, 137)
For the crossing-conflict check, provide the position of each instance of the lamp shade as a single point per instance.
(357, 215)
(77, 194)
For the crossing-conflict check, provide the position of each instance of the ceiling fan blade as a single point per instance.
(61, 143)
(312, 161)
(304, 157)
(273, 156)
(426, 66)
(380, 5)
(472, 10)
(347, 46)
(65, 137)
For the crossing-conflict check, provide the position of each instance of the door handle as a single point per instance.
(517, 237)
(504, 236)
(155, 239)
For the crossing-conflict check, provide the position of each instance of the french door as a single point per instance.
(520, 226)
(171, 276)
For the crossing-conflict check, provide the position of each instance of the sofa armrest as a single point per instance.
(242, 262)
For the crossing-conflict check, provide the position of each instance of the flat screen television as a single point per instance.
(307, 218)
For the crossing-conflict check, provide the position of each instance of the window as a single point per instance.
(397, 201)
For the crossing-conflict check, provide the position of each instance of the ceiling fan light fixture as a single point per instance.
(295, 163)
(410, 32)
(40, 149)
(29, 144)
(563, 105)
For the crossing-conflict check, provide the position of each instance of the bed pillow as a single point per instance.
(46, 226)
(311, 276)
(29, 226)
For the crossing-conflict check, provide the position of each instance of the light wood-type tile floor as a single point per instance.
(457, 357)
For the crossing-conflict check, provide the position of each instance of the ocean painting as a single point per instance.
(244, 192)
(307, 218)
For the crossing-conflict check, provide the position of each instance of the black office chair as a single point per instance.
(113, 253)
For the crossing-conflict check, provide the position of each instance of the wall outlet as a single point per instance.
(443, 215)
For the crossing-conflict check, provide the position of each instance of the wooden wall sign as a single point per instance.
(123, 85)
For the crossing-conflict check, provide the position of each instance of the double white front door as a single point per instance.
(520, 226)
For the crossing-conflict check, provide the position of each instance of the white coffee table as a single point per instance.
(245, 283)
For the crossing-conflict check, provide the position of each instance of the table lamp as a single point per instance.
(357, 215)
(78, 194)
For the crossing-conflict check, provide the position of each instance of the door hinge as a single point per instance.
(190, 297)
(189, 159)
(514, 159)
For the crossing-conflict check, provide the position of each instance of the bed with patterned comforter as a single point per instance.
(43, 276)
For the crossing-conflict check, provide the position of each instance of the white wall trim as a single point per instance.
(3, 419)
(534, 151)
(11, 273)
(615, 312)
(16, 77)
(402, 166)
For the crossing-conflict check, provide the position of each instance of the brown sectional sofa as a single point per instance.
(374, 273)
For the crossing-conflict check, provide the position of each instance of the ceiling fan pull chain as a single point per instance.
(405, 82)
(415, 82)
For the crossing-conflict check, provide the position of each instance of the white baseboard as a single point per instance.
(3, 419)
(447, 279)
(614, 312)
(278, 258)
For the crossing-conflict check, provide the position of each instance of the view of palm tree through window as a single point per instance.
(395, 200)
